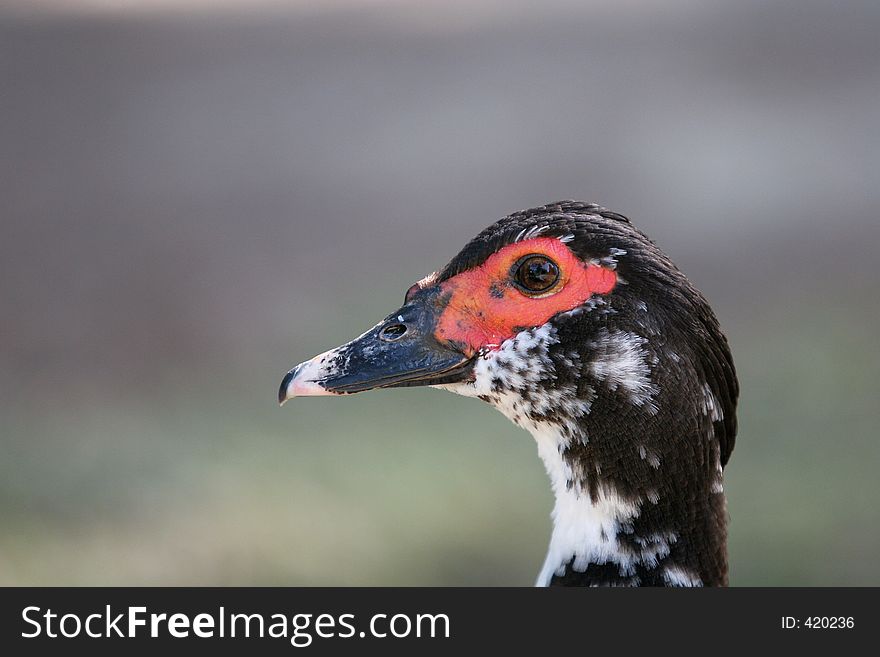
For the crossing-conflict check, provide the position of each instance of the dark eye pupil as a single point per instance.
(537, 274)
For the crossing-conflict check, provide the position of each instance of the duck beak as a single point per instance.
(399, 351)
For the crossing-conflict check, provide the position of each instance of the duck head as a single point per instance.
(575, 325)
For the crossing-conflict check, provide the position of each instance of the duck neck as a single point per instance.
(609, 533)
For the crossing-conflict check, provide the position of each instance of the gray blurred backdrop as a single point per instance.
(197, 195)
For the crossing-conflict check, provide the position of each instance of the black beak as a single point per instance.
(399, 351)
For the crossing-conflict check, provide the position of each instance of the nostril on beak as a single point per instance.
(392, 332)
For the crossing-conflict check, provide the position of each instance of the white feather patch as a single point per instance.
(678, 576)
(622, 361)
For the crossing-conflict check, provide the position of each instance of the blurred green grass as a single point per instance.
(209, 482)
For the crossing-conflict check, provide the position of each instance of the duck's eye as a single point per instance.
(535, 274)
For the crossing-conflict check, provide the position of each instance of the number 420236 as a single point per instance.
(819, 622)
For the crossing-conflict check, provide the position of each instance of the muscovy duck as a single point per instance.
(578, 328)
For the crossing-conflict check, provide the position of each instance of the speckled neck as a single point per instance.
(626, 430)
(605, 539)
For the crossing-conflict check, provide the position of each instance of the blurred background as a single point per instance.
(197, 195)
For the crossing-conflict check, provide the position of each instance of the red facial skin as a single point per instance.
(485, 308)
